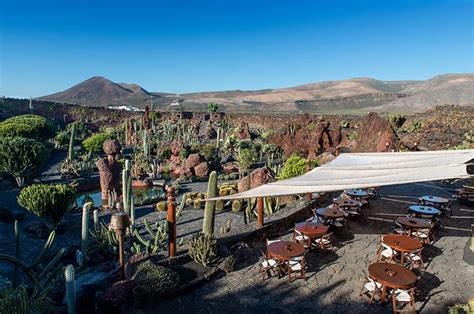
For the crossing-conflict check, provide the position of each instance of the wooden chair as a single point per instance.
(373, 193)
(404, 297)
(425, 235)
(414, 259)
(267, 266)
(399, 228)
(371, 289)
(297, 265)
(386, 253)
(324, 243)
(298, 237)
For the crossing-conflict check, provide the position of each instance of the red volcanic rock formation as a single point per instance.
(373, 135)
(194, 160)
(201, 170)
(258, 177)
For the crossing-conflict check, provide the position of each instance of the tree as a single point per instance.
(21, 157)
(245, 159)
(212, 107)
(50, 202)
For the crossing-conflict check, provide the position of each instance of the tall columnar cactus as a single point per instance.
(70, 289)
(218, 137)
(146, 146)
(17, 253)
(79, 258)
(209, 210)
(70, 154)
(127, 187)
(132, 211)
(96, 218)
(85, 230)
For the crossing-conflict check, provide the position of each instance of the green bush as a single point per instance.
(21, 157)
(18, 300)
(415, 127)
(246, 158)
(209, 151)
(203, 248)
(396, 120)
(81, 131)
(94, 143)
(50, 202)
(295, 166)
(155, 278)
(30, 126)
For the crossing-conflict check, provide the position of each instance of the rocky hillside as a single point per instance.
(345, 96)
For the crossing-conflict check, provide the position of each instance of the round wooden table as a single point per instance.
(346, 203)
(424, 210)
(330, 213)
(402, 243)
(391, 276)
(356, 193)
(311, 229)
(435, 199)
(413, 223)
(284, 250)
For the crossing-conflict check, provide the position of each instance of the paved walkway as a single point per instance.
(334, 280)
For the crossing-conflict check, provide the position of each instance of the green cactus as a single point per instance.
(209, 210)
(220, 205)
(236, 206)
(224, 191)
(197, 204)
(70, 289)
(146, 147)
(161, 206)
(127, 194)
(155, 278)
(85, 230)
(79, 258)
(203, 248)
(96, 218)
(17, 253)
(70, 154)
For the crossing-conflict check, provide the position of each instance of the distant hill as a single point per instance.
(100, 91)
(352, 95)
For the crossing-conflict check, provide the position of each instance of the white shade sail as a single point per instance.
(363, 170)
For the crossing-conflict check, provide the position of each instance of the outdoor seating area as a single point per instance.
(292, 270)
(399, 261)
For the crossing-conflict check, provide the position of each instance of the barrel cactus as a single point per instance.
(236, 206)
(155, 278)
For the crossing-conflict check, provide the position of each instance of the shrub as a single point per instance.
(164, 154)
(352, 136)
(396, 120)
(49, 202)
(212, 107)
(415, 127)
(203, 248)
(81, 130)
(94, 143)
(21, 157)
(209, 151)
(76, 168)
(295, 166)
(344, 124)
(155, 278)
(18, 300)
(29, 126)
(246, 158)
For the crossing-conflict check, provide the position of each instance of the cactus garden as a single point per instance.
(64, 178)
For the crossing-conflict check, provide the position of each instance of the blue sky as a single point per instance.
(185, 46)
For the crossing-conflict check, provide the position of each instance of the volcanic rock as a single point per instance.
(258, 177)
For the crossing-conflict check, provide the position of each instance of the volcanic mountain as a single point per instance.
(352, 95)
(100, 91)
